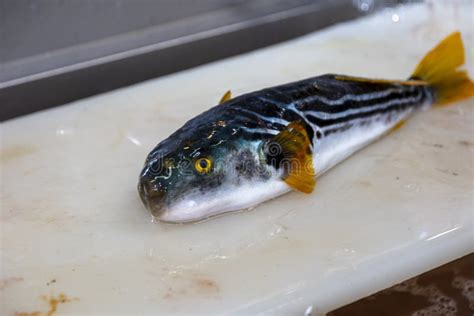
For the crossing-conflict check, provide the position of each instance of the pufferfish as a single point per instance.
(260, 145)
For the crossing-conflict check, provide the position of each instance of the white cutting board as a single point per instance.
(72, 222)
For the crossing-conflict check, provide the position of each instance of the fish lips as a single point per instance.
(152, 197)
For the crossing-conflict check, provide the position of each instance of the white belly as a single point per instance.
(332, 149)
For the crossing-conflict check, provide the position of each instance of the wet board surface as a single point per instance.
(74, 235)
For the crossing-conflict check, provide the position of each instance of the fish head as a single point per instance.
(205, 169)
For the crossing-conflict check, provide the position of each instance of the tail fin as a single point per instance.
(440, 68)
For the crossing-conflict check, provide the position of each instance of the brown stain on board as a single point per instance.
(17, 152)
(196, 285)
(466, 143)
(4, 283)
(365, 184)
(53, 302)
(206, 285)
(28, 314)
(51, 282)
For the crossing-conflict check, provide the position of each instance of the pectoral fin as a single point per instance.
(226, 97)
(291, 151)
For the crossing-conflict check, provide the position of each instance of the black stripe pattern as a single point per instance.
(326, 104)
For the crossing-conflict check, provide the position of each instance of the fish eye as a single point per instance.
(203, 165)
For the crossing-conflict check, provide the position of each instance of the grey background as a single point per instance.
(56, 51)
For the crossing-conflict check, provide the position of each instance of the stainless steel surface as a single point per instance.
(53, 52)
(37, 27)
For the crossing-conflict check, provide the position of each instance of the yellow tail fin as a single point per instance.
(440, 68)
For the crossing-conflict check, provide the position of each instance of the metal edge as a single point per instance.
(57, 89)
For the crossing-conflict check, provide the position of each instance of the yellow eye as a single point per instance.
(203, 165)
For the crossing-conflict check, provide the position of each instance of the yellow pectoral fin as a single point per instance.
(297, 160)
(226, 97)
(303, 182)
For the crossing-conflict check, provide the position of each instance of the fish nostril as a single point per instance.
(156, 197)
(150, 191)
(152, 196)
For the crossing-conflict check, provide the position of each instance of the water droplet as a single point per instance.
(363, 5)
(64, 131)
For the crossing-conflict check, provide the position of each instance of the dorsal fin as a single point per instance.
(226, 97)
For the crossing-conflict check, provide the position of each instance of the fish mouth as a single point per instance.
(152, 198)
